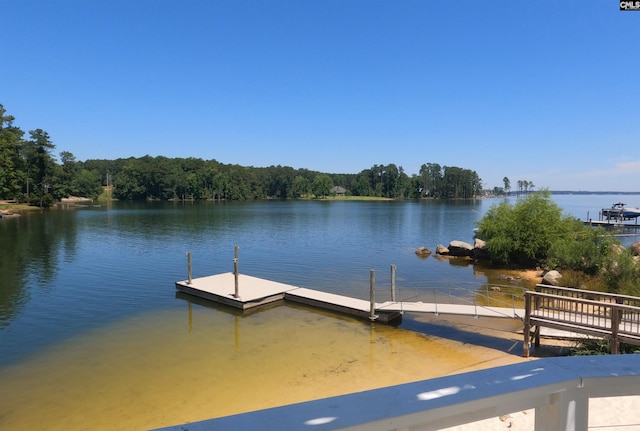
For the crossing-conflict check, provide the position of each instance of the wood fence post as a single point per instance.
(616, 317)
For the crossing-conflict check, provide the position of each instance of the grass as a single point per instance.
(583, 281)
(9, 207)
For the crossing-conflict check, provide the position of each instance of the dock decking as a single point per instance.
(254, 292)
(221, 288)
(443, 308)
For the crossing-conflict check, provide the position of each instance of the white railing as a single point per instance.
(558, 389)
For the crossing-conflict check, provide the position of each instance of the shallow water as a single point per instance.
(175, 366)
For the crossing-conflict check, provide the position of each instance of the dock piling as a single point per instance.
(372, 295)
(188, 267)
(393, 283)
(235, 272)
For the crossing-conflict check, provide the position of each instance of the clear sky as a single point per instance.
(544, 91)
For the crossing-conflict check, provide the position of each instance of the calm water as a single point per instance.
(64, 272)
(89, 312)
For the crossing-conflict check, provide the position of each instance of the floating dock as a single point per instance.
(221, 288)
(250, 292)
(245, 292)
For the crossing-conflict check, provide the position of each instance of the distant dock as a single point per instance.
(612, 224)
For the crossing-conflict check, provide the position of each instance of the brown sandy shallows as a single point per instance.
(178, 366)
(171, 367)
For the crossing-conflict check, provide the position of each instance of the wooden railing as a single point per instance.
(584, 312)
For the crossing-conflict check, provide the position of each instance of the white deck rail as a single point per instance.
(558, 389)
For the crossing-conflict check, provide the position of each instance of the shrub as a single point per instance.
(599, 346)
(525, 232)
(622, 273)
(580, 280)
(586, 250)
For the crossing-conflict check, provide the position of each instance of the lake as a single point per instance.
(93, 334)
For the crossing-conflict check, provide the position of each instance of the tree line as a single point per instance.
(524, 188)
(29, 172)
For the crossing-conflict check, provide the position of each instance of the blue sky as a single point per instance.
(542, 91)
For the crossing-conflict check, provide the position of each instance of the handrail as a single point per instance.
(435, 294)
(559, 389)
(615, 320)
(603, 296)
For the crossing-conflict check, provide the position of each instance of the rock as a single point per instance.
(480, 251)
(552, 278)
(441, 249)
(423, 252)
(635, 248)
(617, 249)
(460, 248)
(495, 289)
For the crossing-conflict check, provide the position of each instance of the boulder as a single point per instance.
(460, 248)
(441, 249)
(423, 252)
(552, 278)
(635, 248)
(617, 249)
(480, 251)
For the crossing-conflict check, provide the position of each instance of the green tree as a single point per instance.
(361, 186)
(67, 175)
(415, 187)
(41, 167)
(525, 232)
(431, 174)
(321, 185)
(128, 184)
(301, 187)
(507, 185)
(11, 164)
(87, 183)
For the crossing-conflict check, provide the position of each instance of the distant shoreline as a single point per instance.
(573, 192)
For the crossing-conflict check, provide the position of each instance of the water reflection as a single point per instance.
(32, 246)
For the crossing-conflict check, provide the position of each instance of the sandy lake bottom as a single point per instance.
(177, 366)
